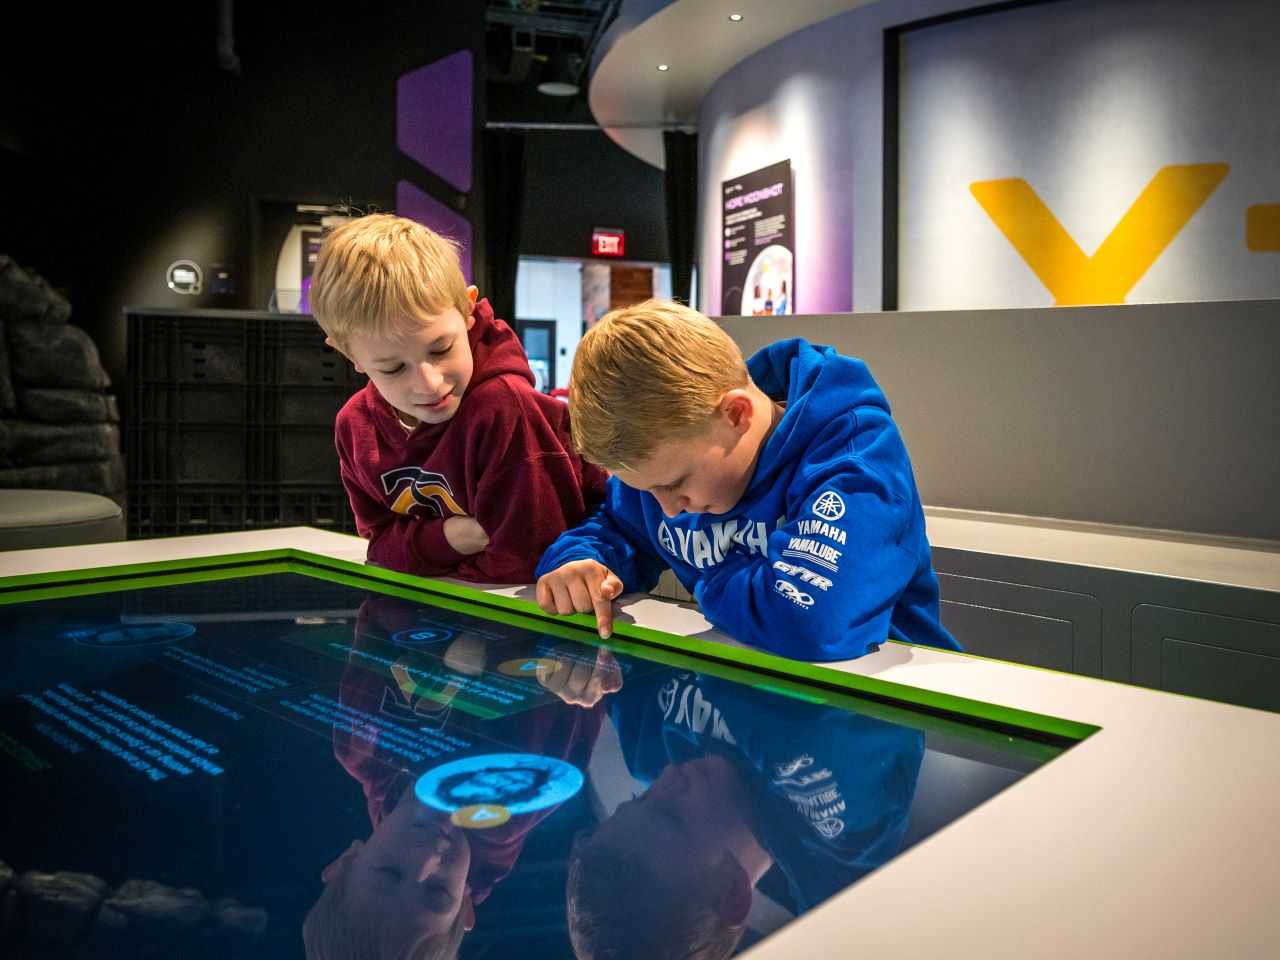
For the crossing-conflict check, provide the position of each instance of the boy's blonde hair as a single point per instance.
(645, 375)
(377, 272)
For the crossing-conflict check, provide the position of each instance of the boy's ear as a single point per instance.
(737, 409)
(473, 294)
(342, 862)
(468, 912)
(733, 902)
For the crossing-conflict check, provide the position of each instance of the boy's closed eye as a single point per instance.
(437, 350)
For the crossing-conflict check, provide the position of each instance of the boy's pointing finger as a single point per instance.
(603, 604)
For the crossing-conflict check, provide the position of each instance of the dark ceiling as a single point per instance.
(528, 42)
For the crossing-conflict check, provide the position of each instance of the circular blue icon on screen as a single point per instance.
(420, 635)
(518, 782)
(128, 635)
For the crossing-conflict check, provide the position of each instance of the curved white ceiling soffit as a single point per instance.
(632, 99)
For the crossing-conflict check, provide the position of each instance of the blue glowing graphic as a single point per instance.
(128, 635)
(420, 635)
(520, 782)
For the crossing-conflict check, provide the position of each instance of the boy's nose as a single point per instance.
(438, 848)
(671, 504)
(431, 862)
(429, 377)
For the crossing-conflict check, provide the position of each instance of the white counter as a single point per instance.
(1226, 561)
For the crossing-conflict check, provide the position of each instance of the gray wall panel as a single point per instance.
(1217, 673)
(1207, 655)
(1009, 635)
(1012, 621)
(1161, 416)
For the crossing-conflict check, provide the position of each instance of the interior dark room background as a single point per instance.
(128, 142)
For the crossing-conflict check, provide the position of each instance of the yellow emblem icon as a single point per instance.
(480, 816)
(1163, 208)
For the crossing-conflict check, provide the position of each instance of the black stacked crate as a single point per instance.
(229, 423)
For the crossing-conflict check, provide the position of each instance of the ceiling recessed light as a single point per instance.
(735, 17)
(663, 67)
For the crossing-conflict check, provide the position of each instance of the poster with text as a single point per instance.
(759, 249)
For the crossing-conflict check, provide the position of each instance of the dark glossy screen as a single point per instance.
(278, 765)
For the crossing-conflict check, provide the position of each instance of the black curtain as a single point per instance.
(681, 151)
(503, 214)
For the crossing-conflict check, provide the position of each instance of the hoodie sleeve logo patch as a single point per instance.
(793, 593)
(415, 487)
(829, 506)
(803, 574)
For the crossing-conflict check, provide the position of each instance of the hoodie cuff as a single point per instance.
(434, 547)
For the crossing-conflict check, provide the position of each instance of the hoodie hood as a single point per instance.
(496, 351)
(817, 385)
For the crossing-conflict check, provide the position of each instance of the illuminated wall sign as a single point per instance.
(185, 276)
(607, 242)
(758, 276)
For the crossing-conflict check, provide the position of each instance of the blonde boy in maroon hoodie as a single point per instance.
(454, 464)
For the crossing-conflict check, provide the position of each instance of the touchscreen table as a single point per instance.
(272, 764)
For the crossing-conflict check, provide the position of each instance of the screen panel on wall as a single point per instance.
(759, 245)
(1089, 152)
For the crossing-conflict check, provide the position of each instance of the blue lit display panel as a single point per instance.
(281, 765)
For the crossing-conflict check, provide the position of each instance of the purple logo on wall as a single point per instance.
(434, 126)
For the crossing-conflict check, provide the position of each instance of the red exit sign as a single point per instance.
(607, 243)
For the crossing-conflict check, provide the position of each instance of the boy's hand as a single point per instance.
(581, 586)
(576, 681)
(466, 654)
(465, 535)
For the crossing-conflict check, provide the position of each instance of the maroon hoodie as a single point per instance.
(505, 458)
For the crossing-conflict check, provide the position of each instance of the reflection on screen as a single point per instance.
(282, 766)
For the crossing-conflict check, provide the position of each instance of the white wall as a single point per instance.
(1086, 101)
(816, 98)
(548, 289)
(662, 282)
(753, 119)
(552, 290)
(1189, 78)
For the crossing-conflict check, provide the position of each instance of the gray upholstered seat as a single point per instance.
(57, 518)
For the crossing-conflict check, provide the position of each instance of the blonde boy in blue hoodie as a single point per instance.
(777, 489)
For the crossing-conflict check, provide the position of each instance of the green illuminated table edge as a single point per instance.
(789, 677)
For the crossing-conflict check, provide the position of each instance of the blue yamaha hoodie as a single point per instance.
(825, 555)
(832, 790)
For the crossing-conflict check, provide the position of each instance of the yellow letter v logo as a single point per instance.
(1163, 208)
